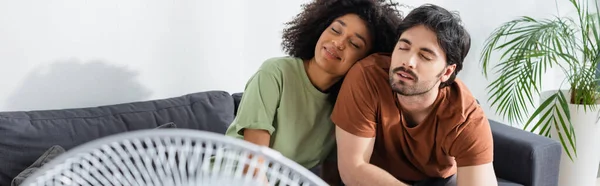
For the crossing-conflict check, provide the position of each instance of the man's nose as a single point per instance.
(410, 62)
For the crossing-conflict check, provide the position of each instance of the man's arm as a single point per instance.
(476, 175)
(473, 149)
(353, 161)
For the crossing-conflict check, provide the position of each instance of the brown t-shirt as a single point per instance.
(456, 133)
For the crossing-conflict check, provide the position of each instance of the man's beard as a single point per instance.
(418, 88)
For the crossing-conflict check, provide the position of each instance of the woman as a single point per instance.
(286, 104)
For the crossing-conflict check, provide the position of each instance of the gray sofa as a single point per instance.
(521, 158)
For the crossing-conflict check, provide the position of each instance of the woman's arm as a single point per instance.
(259, 137)
(257, 110)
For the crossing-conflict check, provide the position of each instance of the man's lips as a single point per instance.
(405, 75)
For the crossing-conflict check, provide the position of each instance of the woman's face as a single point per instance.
(344, 42)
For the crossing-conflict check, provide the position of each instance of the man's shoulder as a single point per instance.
(369, 76)
(458, 96)
(459, 105)
(374, 62)
(373, 66)
(466, 134)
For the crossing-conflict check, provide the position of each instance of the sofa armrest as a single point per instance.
(524, 157)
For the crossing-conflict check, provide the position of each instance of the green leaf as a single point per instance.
(562, 140)
(566, 129)
(543, 122)
(540, 109)
(527, 48)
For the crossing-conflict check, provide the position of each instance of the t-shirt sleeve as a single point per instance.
(259, 103)
(473, 144)
(354, 110)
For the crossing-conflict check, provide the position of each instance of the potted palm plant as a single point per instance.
(529, 47)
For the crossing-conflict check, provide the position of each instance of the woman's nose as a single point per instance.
(339, 44)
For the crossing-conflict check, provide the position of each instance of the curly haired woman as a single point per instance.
(287, 103)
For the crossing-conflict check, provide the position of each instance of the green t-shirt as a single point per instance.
(281, 99)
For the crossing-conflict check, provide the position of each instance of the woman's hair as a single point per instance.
(302, 33)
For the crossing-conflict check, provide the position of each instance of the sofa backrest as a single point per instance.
(237, 98)
(27, 135)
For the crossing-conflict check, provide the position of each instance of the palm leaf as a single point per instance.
(526, 58)
(529, 47)
(553, 112)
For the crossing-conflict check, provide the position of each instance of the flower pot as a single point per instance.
(583, 169)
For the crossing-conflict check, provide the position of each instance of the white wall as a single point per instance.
(73, 53)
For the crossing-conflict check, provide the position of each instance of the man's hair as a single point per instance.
(452, 37)
(302, 33)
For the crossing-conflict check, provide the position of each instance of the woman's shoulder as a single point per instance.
(281, 64)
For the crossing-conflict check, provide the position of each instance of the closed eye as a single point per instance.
(334, 30)
(426, 58)
(355, 45)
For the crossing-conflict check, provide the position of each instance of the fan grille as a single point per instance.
(171, 157)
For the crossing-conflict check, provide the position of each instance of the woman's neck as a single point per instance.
(319, 77)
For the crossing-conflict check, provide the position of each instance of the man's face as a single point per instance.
(418, 63)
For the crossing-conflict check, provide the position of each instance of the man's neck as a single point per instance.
(418, 107)
(318, 77)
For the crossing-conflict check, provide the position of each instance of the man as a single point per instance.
(406, 119)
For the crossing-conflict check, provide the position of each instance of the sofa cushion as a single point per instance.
(27, 135)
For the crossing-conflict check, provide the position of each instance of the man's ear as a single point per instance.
(448, 71)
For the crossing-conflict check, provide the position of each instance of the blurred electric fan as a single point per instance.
(171, 157)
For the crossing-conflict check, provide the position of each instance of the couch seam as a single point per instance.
(191, 103)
